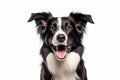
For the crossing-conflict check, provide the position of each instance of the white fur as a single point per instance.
(59, 21)
(60, 31)
(63, 70)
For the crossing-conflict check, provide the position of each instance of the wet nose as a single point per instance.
(61, 38)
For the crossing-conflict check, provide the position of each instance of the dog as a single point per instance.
(62, 47)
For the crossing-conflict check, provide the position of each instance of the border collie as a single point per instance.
(62, 47)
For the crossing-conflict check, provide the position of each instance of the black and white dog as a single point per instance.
(62, 47)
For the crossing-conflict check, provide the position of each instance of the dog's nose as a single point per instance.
(61, 37)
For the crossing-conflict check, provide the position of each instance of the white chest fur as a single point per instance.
(63, 70)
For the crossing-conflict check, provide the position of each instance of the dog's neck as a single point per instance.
(63, 70)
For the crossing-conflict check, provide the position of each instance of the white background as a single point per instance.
(19, 43)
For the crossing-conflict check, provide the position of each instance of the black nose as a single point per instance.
(61, 37)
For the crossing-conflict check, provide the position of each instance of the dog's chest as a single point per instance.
(63, 70)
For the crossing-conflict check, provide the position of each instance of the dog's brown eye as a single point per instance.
(52, 28)
(68, 28)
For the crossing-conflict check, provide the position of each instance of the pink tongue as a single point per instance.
(61, 54)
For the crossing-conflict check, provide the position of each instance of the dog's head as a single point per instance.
(61, 34)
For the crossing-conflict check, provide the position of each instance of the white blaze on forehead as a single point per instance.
(59, 21)
(59, 31)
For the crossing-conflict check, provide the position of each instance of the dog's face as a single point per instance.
(61, 34)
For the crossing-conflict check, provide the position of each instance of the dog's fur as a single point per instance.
(62, 47)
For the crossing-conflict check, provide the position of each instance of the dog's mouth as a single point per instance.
(61, 51)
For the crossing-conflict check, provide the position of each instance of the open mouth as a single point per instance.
(61, 51)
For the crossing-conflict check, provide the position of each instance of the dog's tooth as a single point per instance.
(56, 48)
(68, 46)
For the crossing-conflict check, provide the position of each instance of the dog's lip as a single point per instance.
(61, 51)
(66, 46)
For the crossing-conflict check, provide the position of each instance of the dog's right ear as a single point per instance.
(40, 20)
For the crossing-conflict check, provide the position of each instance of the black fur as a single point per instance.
(78, 21)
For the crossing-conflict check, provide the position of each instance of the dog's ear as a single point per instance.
(40, 20)
(81, 19)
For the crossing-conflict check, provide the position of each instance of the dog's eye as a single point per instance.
(52, 28)
(68, 28)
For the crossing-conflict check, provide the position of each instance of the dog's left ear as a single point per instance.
(81, 17)
(80, 20)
